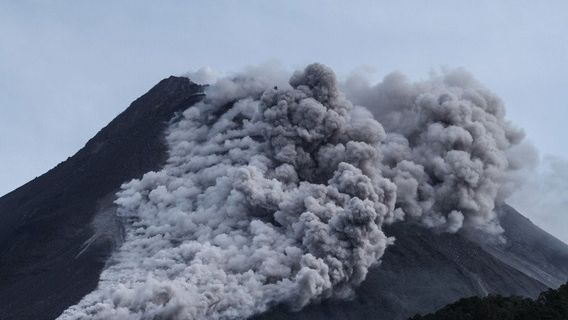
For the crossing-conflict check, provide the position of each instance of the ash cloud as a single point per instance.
(277, 187)
(270, 196)
(447, 148)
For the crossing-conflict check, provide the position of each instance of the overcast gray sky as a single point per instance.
(68, 67)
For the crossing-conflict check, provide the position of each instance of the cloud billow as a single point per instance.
(275, 193)
(448, 148)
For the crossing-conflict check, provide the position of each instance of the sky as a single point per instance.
(69, 67)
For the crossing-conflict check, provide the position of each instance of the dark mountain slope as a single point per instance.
(46, 222)
(422, 272)
(45, 266)
(531, 249)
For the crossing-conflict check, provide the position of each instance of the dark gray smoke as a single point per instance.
(448, 148)
(276, 193)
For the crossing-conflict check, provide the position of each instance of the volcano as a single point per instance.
(59, 231)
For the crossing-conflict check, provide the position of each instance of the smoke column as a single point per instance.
(251, 210)
(276, 193)
(449, 148)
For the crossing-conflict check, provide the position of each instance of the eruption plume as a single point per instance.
(448, 148)
(276, 193)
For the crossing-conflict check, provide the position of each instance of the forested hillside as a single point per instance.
(550, 305)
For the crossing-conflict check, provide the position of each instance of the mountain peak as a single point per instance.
(173, 84)
(46, 221)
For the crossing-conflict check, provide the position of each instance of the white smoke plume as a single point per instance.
(275, 192)
(204, 75)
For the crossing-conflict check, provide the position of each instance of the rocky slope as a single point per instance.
(47, 222)
(424, 271)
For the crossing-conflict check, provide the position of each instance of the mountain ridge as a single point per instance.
(47, 220)
(50, 255)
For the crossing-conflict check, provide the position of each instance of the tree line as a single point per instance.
(550, 305)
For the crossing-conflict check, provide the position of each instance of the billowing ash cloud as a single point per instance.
(275, 192)
(270, 196)
(448, 148)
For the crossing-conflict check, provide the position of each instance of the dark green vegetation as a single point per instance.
(550, 305)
